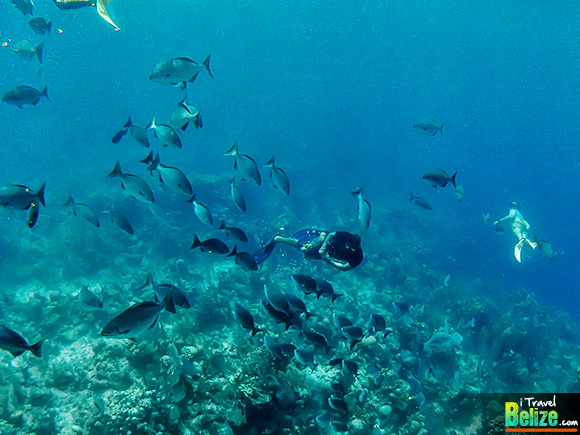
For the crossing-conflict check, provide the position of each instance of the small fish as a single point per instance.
(420, 202)
(306, 283)
(545, 248)
(83, 211)
(246, 319)
(20, 197)
(119, 135)
(211, 246)
(166, 134)
(350, 366)
(277, 316)
(40, 26)
(16, 344)
(339, 426)
(278, 176)
(338, 404)
(184, 114)
(352, 333)
(24, 6)
(246, 166)
(162, 290)
(324, 288)
(237, 196)
(429, 127)
(298, 305)
(179, 71)
(33, 212)
(24, 49)
(171, 176)
(485, 218)
(279, 350)
(21, 95)
(459, 193)
(137, 133)
(89, 300)
(120, 220)
(364, 209)
(244, 259)
(340, 321)
(277, 300)
(201, 211)
(233, 232)
(439, 178)
(442, 341)
(316, 339)
(377, 323)
(304, 357)
(447, 280)
(133, 184)
(137, 319)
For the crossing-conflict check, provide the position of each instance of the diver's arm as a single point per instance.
(339, 264)
(510, 215)
(328, 238)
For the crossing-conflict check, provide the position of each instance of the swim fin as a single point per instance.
(265, 252)
(103, 12)
(518, 250)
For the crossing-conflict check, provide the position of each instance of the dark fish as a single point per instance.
(20, 197)
(21, 95)
(545, 248)
(133, 184)
(364, 209)
(33, 212)
(377, 324)
(83, 211)
(420, 202)
(246, 319)
(88, 299)
(39, 25)
(338, 404)
(304, 357)
(306, 283)
(24, 6)
(201, 211)
(16, 344)
(24, 49)
(233, 232)
(120, 220)
(179, 71)
(211, 246)
(166, 134)
(119, 135)
(278, 176)
(184, 114)
(279, 350)
(339, 426)
(244, 259)
(340, 322)
(324, 288)
(237, 196)
(277, 300)
(245, 165)
(350, 366)
(352, 333)
(442, 341)
(439, 178)
(282, 317)
(171, 176)
(137, 319)
(137, 133)
(429, 127)
(298, 305)
(162, 290)
(316, 339)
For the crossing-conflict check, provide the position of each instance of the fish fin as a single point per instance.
(36, 348)
(271, 164)
(154, 164)
(191, 80)
(102, 11)
(148, 159)
(116, 172)
(70, 201)
(357, 192)
(255, 330)
(49, 25)
(234, 251)
(129, 123)
(196, 242)
(233, 151)
(44, 93)
(453, 179)
(168, 302)
(17, 352)
(38, 50)
(151, 125)
(40, 194)
(205, 64)
(441, 128)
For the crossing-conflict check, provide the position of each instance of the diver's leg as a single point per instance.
(286, 240)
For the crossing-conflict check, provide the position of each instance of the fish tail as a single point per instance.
(38, 51)
(256, 330)
(129, 123)
(196, 242)
(45, 92)
(234, 249)
(233, 151)
(271, 163)
(411, 197)
(151, 124)
(148, 159)
(40, 194)
(357, 192)
(149, 281)
(49, 26)
(205, 64)
(168, 302)
(116, 172)
(36, 348)
(222, 226)
(192, 199)
(70, 201)
(154, 163)
(453, 179)
(441, 128)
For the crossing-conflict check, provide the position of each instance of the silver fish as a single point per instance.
(420, 202)
(89, 300)
(166, 134)
(83, 211)
(201, 211)
(20, 197)
(179, 71)
(429, 127)
(137, 133)
(364, 209)
(137, 319)
(184, 114)
(26, 50)
(459, 193)
(237, 196)
(278, 176)
(21, 95)
(245, 165)
(16, 344)
(120, 220)
(133, 184)
(171, 176)
(40, 26)
(439, 178)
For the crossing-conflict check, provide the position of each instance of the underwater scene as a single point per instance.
(269, 217)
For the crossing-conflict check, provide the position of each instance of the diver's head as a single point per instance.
(514, 205)
(353, 242)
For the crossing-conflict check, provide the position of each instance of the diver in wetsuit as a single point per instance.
(340, 249)
(519, 227)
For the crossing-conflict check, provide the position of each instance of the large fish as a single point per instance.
(166, 134)
(83, 211)
(245, 165)
(278, 176)
(24, 6)
(21, 95)
(184, 114)
(20, 197)
(133, 184)
(364, 209)
(237, 195)
(179, 71)
(40, 26)
(25, 49)
(16, 344)
(171, 176)
(429, 127)
(137, 319)
(210, 246)
(77, 4)
(439, 178)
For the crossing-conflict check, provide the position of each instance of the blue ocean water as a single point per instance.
(332, 89)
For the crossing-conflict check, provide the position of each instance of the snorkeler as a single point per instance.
(77, 4)
(519, 227)
(340, 249)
